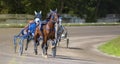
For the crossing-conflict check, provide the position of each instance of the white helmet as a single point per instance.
(37, 21)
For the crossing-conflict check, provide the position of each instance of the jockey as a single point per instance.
(61, 28)
(30, 28)
(60, 20)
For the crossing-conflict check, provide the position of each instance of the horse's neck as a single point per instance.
(50, 20)
(50, 25)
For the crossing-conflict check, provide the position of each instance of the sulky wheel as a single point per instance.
(67, 42)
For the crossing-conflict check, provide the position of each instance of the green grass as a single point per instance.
(111, 47)
(20, 25)
(91, 24)
(12, 25)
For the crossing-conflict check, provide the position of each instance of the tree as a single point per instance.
(88, 9)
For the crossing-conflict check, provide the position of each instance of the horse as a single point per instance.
(49, 31)
(37, 19)
(60, 29)
(30, 28)
(37, 37)
(37, 33)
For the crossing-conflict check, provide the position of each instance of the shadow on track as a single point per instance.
(71, 58)
(73, 48)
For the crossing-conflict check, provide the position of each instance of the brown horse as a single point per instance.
(37, 33)
(50, 33)
(37, 37)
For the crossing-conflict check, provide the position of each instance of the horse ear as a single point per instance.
(40, 12)
(50, 10)
(35, 12)
(56, 10)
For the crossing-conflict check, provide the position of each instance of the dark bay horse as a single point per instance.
(37, 33)
(50, 33)
(37, 37)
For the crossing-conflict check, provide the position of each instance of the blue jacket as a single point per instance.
(32, 27)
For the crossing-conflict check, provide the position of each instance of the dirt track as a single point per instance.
(82, 47)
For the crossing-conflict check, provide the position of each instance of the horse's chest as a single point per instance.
(52, 35)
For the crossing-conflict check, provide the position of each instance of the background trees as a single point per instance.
(88, 9)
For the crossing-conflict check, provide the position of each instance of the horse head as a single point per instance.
(38, 14)
(53, 15)
(37, 17)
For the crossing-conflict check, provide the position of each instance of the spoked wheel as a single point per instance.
(15, 48)
(21, 51)
(15, 44)
(67, 42)
(21, 47)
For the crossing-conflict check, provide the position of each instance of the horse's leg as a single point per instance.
(44, 47)
(54, 43)
(35, 44)
(35, 47)
(28, 40)
(38, 41)
(58, 39)
(60, 32)
(54, 48)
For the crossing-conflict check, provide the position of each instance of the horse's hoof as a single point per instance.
(46, 56)
(42, 55)
(20, 54)
(52, 46)
(36, 53)
(38, 44)
(15, 51)
(25, 49)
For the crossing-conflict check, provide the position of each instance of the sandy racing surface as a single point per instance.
(82, 47)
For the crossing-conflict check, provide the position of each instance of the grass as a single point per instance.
(12, 25)
(111, 47)
(20, 25)
(91, 24)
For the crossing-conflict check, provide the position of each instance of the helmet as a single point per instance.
(37, 21)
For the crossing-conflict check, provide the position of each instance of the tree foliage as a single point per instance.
(88, 9)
